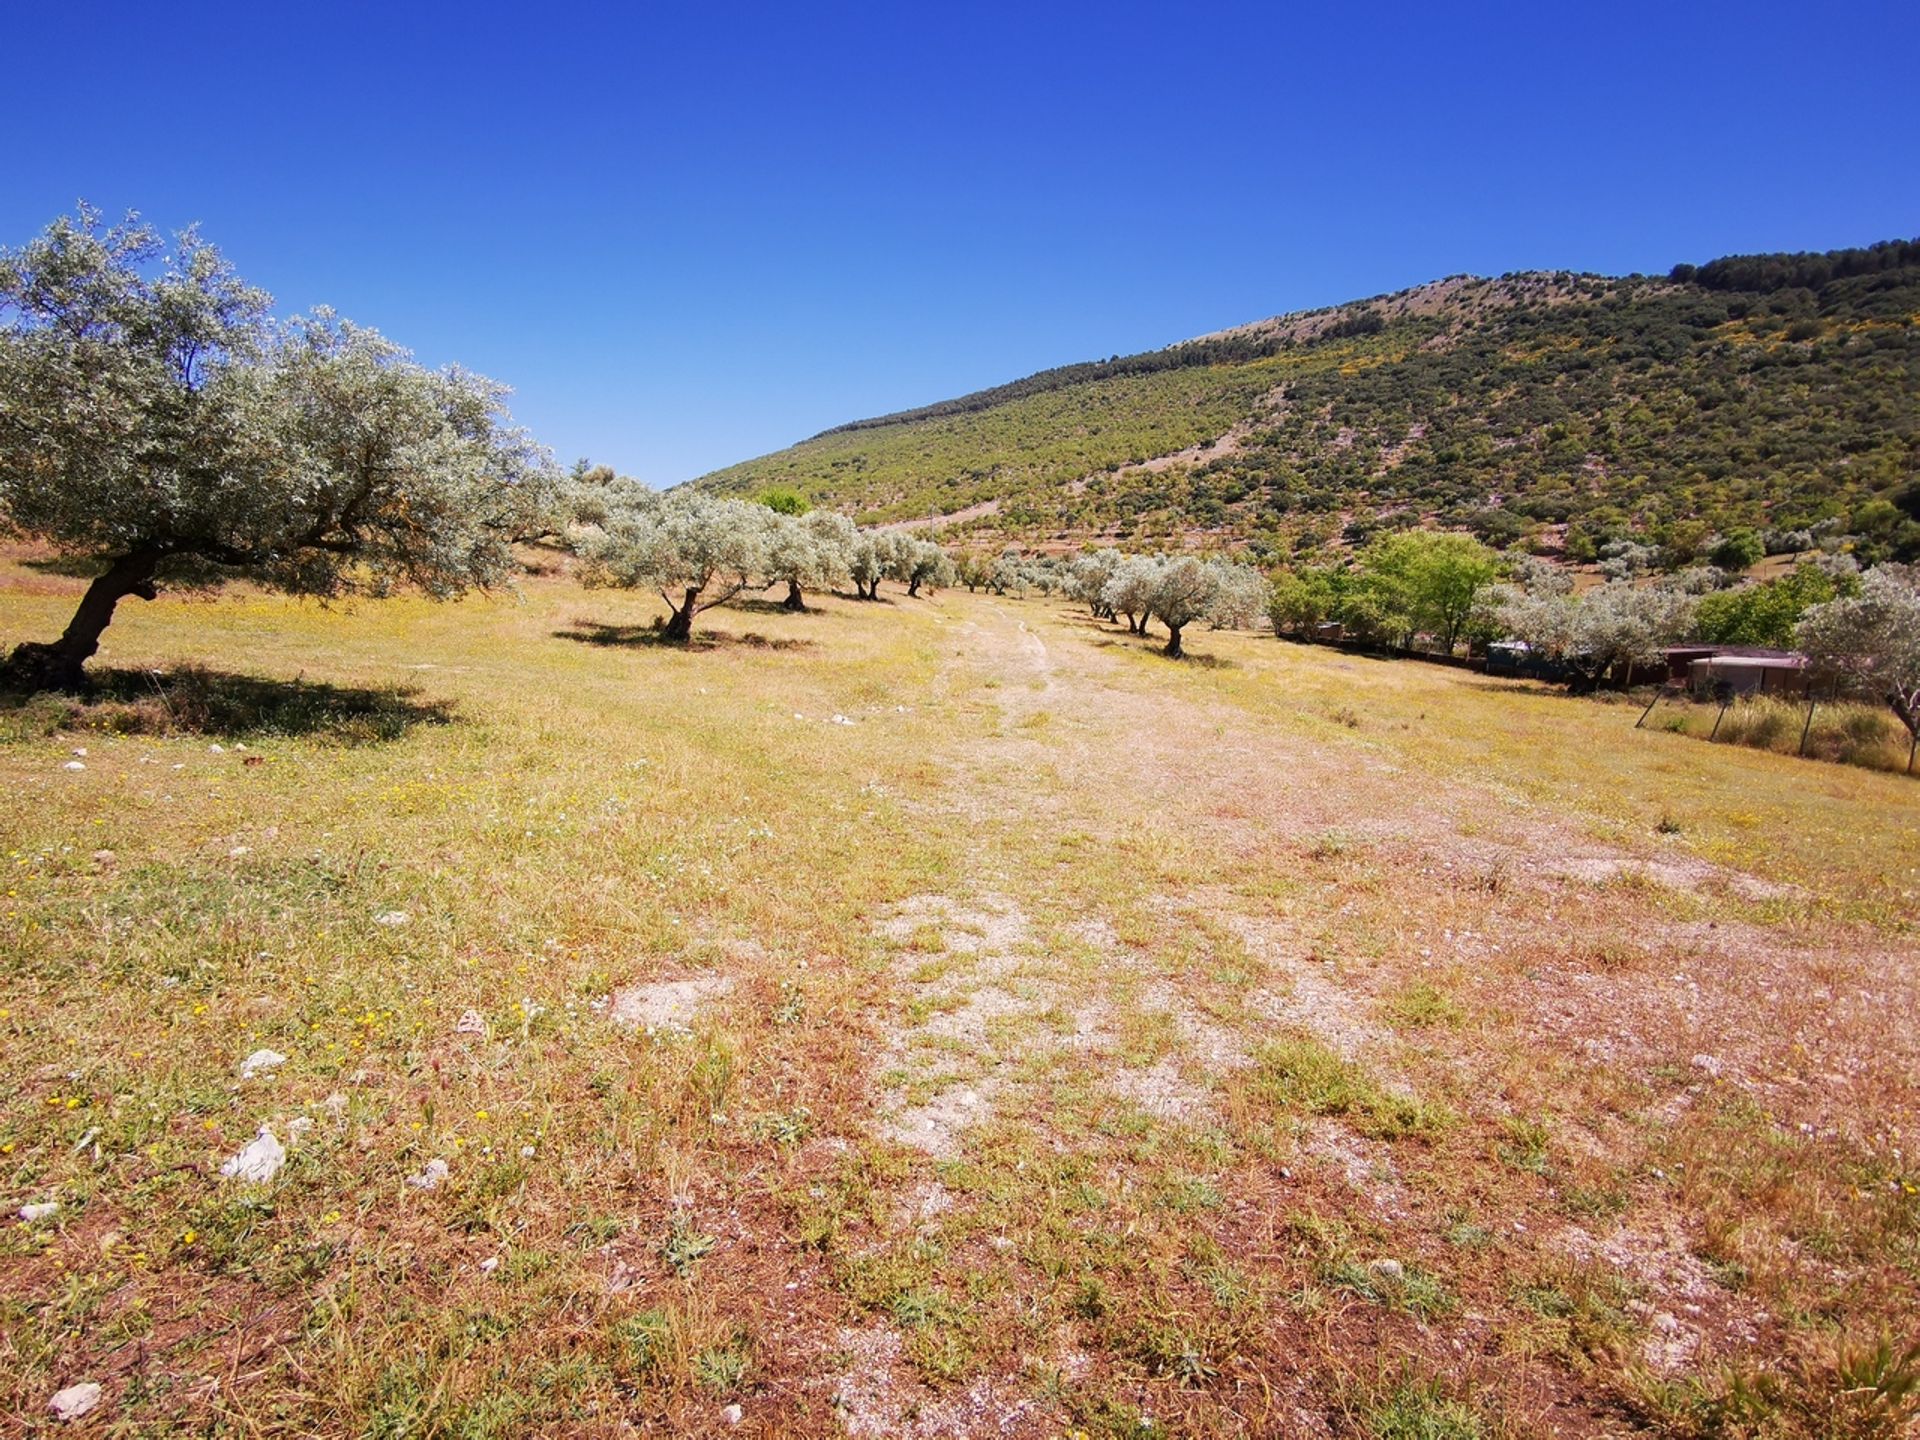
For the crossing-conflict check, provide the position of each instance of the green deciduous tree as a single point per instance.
(1424, 580)
(1765, 614)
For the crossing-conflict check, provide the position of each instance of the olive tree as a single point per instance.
(1616, 627)
(1089, 576)
(921, 562)
(1185, 590)
(1871, 641)
(808, 552)
(869, 562)
(1131, 589)
(697, 550)
(157, 423)
(1242, 595)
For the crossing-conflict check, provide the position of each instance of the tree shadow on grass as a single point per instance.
(637, 637)
(73, 567)
(1157, 646)
(196, 701)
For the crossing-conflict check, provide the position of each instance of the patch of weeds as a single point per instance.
(231, 1235)
(918, 1306)
(1666, 824)
(791, 1007)
(1190, 1193)
(1392, 1284)
(1303, 1074)
(925, 939)
(1423, 1004)
(1526, 1145)
(1418, 1410)
(1174, 1351)
(646, 1339)
(684, 1246)
(498, 1415)
(1613, 956)
(1587, 1316)
(1467, 1236)
(1089, 1301)
(942, 1353)
(1328, 845)
(784, 1127)
(722, 1369)
(1731, 1274)
(596, 1229)
(1114, 1419)
(403, 1403)
(1595, 1201)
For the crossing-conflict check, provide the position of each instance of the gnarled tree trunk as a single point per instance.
(794, 600)
(679, 627)
(1173, 641)
(61, 665)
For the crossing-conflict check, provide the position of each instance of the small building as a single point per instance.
(1748, 674)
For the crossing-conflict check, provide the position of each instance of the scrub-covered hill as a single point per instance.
(1557, 411)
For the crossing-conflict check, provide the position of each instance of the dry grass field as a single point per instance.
(940, 1017)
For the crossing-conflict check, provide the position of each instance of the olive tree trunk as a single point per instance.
(679, 626)
(1173, 641)
(61, 665)
(794, 600)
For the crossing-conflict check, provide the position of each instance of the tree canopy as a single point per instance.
(156, 421)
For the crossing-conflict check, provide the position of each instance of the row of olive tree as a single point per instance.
(700, 551)
(157, 422)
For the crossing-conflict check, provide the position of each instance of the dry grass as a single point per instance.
(1075, 1040)
(1841, 733)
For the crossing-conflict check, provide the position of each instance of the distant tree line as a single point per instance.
(1802, 270)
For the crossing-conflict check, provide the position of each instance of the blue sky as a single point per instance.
(691, 234)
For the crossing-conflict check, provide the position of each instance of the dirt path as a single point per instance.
(1158, 886)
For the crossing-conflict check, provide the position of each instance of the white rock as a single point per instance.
(430, 1178)
(298, 1128)
(259, 1161)
(75, 765)
(1708, 1063)
(237, 851)
(391, 917)
(81, 751)
(732, 1414)
(75, 1401)
(489, 1265)
(39, 1210)
(260, 1060)
(216, 749)
(471, 1022)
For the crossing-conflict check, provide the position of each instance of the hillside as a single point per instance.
(1553, 410)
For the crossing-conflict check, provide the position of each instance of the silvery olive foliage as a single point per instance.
(700, 551)
(156, 420)
(1871, 641)
(1176, 591)
(697, 550)
(1617, 626)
